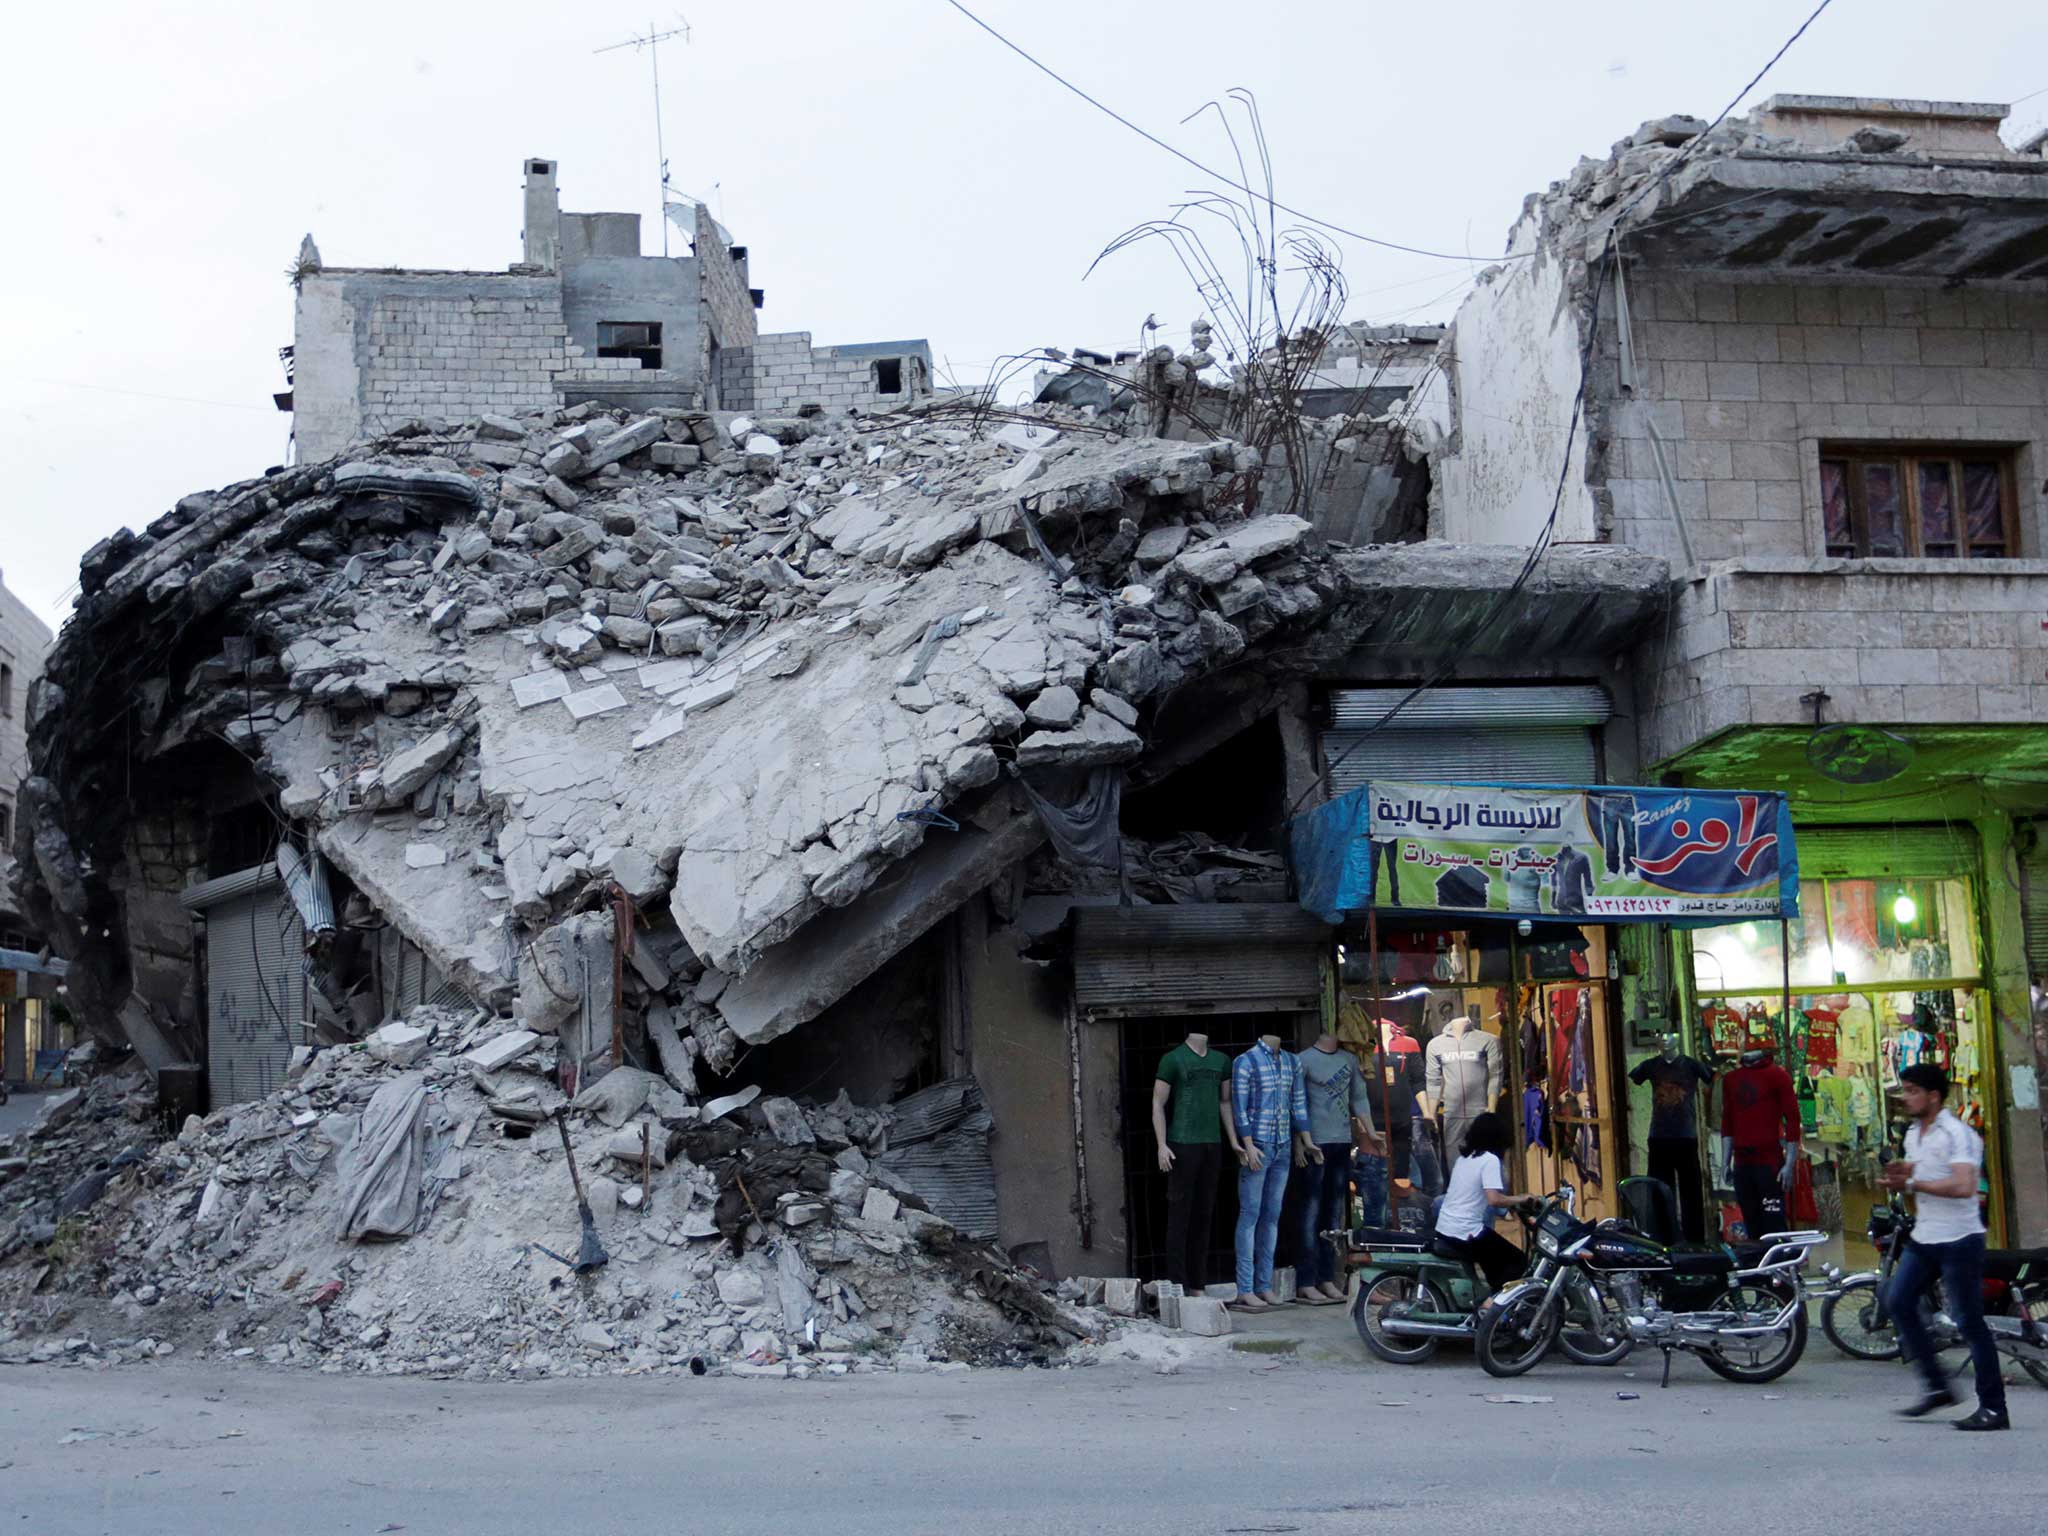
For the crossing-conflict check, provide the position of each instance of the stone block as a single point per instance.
(601, 700)
(1283, 1282)
(539, 688)
(502, 1050)
(400, 1044)
(1121, 1297)
(1205, 1316)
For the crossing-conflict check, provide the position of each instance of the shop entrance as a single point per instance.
(1879, 973)
(1543, 1003)
(1142, 1041)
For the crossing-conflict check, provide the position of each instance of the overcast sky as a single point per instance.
(894, 171)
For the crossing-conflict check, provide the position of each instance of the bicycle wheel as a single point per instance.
(1768, 1358)
(1517, 1333)
(1856, 1325)
(1388, 1297)
(1594, 1331)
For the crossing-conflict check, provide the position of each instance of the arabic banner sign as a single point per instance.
(1601, 853)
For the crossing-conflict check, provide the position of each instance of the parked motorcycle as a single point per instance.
(1411, 1298)
(1746, 1321)
(1855, 1318)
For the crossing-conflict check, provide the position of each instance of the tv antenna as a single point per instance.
(652, 42)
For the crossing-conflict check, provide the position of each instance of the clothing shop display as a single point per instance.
(1325, 1196)
(1194, 1135)
(1337, 1092)
(1527, 871)
(1759, 1115)
(1195, 1111)
(1463, 1072)
(1387, 851)
(1269, 1105)
(1190, 1210)
(1676, 1160)
(1674, 1086)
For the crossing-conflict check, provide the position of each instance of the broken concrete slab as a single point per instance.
(591, 702)
(501, 1051)
(539, 688)
(718, 1109)
(796, 981)
(401, 1044)
(1099, 739)
(1204, 1316)
(617, 1096)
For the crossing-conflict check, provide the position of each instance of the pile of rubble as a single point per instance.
(499, 674)
(751, 1236)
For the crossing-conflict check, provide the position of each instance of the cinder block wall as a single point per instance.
(1746, 380)
(378, 348)
(789, 373)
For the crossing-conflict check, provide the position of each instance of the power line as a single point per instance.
(143, 394)
(1545, 534)
(1209, 171)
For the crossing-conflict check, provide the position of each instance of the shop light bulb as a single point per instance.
(1906, 909)
(1749, 933)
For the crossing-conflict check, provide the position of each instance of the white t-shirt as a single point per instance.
(1465, 1212)
(1944, 1218)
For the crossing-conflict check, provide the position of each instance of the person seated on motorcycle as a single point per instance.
(1464, 1226)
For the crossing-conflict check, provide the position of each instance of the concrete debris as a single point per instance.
(395, 631)
(749, 1244)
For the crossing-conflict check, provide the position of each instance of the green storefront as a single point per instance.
(1912, 944)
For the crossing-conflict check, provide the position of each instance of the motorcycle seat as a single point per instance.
(2010, 1264)
(1390, 1238)
(1703, 1261)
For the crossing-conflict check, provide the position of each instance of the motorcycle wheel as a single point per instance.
(1592, 1332)
(1389, 1296)
(1515, 1335)
(2038, 1369)
(1850, 1320)
(1753, 1299)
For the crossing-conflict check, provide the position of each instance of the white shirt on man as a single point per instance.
(1933, 1154)
(1465, 1212)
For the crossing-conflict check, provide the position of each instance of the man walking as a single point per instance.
(1940, 1171)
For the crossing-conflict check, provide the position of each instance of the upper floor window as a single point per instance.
(1938, 504)
(639, 340)
(6, 689)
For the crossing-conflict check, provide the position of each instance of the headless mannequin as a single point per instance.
(1761, 1205)
(1192, 1167)
(1260, 1195)
(1464, 1076)
(1674, 1145)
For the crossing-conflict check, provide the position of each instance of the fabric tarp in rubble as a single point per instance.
(938, 1150)
(384, 1166)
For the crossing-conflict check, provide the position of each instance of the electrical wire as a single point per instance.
(1239, 186)
(143, 394)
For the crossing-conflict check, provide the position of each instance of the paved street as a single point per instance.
(1257, 1444)
(20, 1109)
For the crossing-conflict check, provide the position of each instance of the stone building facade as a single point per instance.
(1814, 349)
(583, 316)
(24, 994)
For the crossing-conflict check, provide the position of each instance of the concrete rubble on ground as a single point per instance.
(766, 1241)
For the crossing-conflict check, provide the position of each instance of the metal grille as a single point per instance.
(1487, 735)
(1869, 853)
(1223, 958)
(256, 993)
(2034, 900)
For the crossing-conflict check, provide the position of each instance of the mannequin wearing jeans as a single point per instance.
(1339, 1115)
(1264, 1117)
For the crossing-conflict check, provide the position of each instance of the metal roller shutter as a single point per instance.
(1253, 958)
(2034, 897)
(255, 986)
(1489, 735)
(1875, 853)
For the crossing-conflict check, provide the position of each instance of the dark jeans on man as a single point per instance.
(1960, 1266)
(1325, 1198)
(1676, 1160)
(1498, 1259)
(1761, 1197)
(1190, 1208)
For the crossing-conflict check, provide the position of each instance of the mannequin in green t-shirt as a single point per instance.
(1187, 1122)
